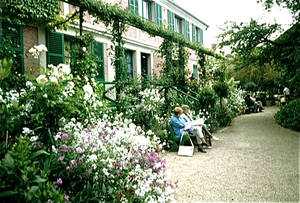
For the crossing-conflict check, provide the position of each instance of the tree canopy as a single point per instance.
(258, 46)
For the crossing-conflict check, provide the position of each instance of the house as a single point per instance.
(139, 45)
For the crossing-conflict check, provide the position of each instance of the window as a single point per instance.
(15, 33)
(56, 48)
(98, 49)
(201, 36)
(134, 6)
(171, 17)
(178, 25)
(195, 71)
(146, 10)
(59, 51)
(128, 56)
(187, 29)
(158, 14)
(197, 35)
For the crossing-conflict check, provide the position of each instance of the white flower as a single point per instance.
(42, 79)
(26, 130)
(53, 79)
(84, 49)
(32, 50)
(28, 84)
(88, 89)
(65, 68)
(41, 48)
(45, 95)
(54, 70)
(33, 138)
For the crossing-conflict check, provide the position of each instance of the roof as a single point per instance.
(185, 11)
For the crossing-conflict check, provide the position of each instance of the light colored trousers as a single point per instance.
(198, 133)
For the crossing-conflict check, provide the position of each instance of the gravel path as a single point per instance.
(255, 160)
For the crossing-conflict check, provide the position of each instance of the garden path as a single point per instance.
(255, 160)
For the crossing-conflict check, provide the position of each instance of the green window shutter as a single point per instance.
(187, 29)
(194, 33)
(98, 49)
(15, 32)
(158, 14)
(201, 36)
(195, 71)
(134, 6)
(171, 16)
(55, 45)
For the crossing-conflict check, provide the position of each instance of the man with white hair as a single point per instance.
(188, 117)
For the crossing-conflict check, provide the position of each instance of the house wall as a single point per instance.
(136, 40)
(30, 38)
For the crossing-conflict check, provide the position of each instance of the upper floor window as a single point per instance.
(158, 14)
(146, 10)
(178, 25)
(197, 34)
(134, 6)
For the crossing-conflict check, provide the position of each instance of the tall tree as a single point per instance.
(260, 45)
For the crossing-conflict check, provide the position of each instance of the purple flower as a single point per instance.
(72, 148)
(73, 164)
(118, 164)
(102, 137)
(106, 125)
(64, 137)
(58, 183)
(118, 173)
(80, 160)
(61, 158)
(68, 167)
(67, 197)
(64, 148)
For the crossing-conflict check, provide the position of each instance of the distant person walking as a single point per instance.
(286, 93)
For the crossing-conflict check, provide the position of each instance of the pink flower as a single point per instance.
(67, 197)
(61, 158)
(64, 137)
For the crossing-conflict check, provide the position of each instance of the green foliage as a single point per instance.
(293, 6)
(289, 115)
(24, 174)
(250, 87)
(5, 68)
(223, 116)
(221, 89)
(31, 10)
(207, 98)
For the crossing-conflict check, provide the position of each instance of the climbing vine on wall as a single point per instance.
(28, 10)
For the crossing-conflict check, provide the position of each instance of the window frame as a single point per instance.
(129, 52)
(149, 3)
(19, 51)
(134, 6)
(177, 18)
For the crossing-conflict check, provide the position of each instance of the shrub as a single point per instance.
(24, 176)
(289, 115)
(207, 98)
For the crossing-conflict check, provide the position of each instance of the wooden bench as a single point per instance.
(248, 109)
(176, 140)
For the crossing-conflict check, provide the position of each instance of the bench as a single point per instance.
(248, 108)
(176, 140)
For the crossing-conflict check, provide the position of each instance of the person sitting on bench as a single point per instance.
(180, 124)
(188, 117)
(250, 103)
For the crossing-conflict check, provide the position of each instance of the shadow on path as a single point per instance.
(255, 160)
